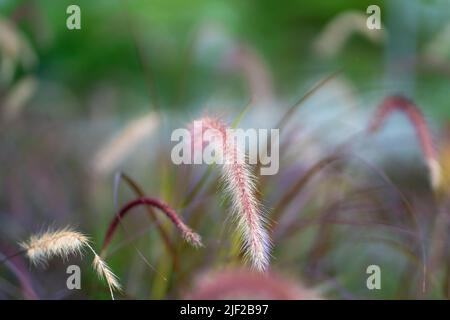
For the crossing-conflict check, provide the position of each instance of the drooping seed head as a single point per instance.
(60, 243)
(415, 116)
(104, 272)
(187, 233)
(63, 243)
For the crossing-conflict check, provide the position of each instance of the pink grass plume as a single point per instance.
(239, 183)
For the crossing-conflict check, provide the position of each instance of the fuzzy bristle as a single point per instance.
(192, 238)
(104, 272)
(63, 243)
(60, 243)
(240, 186)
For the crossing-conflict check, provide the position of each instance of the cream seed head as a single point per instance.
(60, 243)
(63, 243)
(104, 272)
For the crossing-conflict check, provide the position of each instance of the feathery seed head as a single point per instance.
(104, 272)
(239, 184)
(59, 243)
(62, 243)
(192, 237)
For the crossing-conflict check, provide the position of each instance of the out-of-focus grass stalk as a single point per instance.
(298, 186)
(288, 115)
(292, 109)
(24, 280)
(197, 187)
(165, 236)
(160, 287)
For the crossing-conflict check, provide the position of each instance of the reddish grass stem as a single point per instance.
(190, 236)
(153, 217)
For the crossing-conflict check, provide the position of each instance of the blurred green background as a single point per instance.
(150, 49)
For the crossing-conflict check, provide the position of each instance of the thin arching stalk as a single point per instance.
(415, 116)
(190, 236)
(153, 217)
